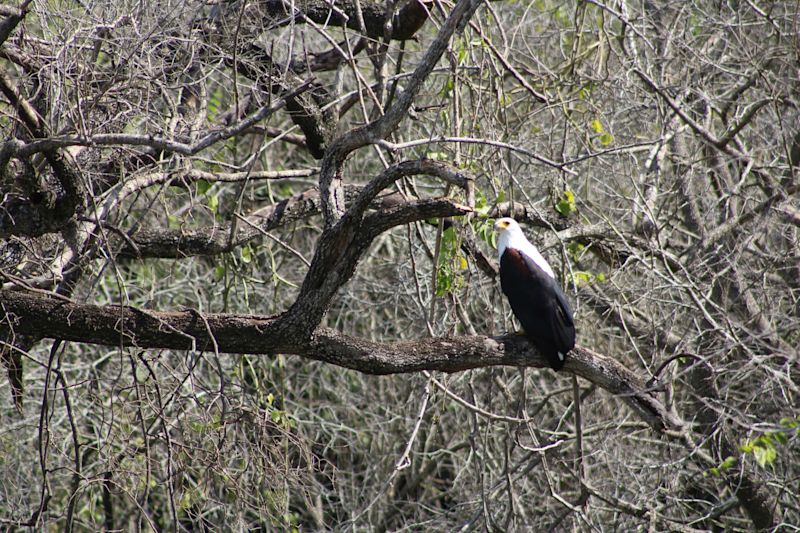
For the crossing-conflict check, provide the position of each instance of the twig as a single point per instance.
(471, 406)
(404, 460)
(155, 142)
(471, 140)
(274, 238)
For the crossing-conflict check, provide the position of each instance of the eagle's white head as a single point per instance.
(509, 235)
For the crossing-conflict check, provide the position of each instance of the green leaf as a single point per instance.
(481, 204)
(765, 455)
(202, 186)
(581, 278)
(214, 104)
(449, 238)
(566, 204)
(247, 254)
(728, 463)
(444, 280)
(102, 58)
(219, 273)
(447, 87)
(764, 440)
(462, 52)
(450, 264)
(606, 139)
(575, 249)
(485, 230)
(213, 203)
(186, 501)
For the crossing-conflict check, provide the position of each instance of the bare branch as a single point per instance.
(488, 142)
(331, 168)
(188, 330)
(157, 143)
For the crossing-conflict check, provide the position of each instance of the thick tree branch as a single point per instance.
(177, 243)
(24, 313)
(12, 17)
(340, 248)
(306, 109)
(405, 22)
(46, 206)
(214, 240)
(330, 182)
(445, 171)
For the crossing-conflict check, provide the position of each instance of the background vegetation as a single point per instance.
(199, 199)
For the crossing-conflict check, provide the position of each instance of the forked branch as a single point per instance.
(189, 330)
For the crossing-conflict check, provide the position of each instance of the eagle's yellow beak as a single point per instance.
(501, 225)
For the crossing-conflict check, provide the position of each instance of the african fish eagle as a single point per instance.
(536, 299)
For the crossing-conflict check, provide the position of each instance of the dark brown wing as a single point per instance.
(539, 304)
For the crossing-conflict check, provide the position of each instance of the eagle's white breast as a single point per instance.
(512, 237)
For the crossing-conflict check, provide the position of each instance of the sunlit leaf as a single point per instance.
(765, 455)
(566, 204)
(247, 254)
(581, 278)
(728, 463)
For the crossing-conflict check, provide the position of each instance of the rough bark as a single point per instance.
(307, 109)
(404, 22)
(330, 181)
(29, 314)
